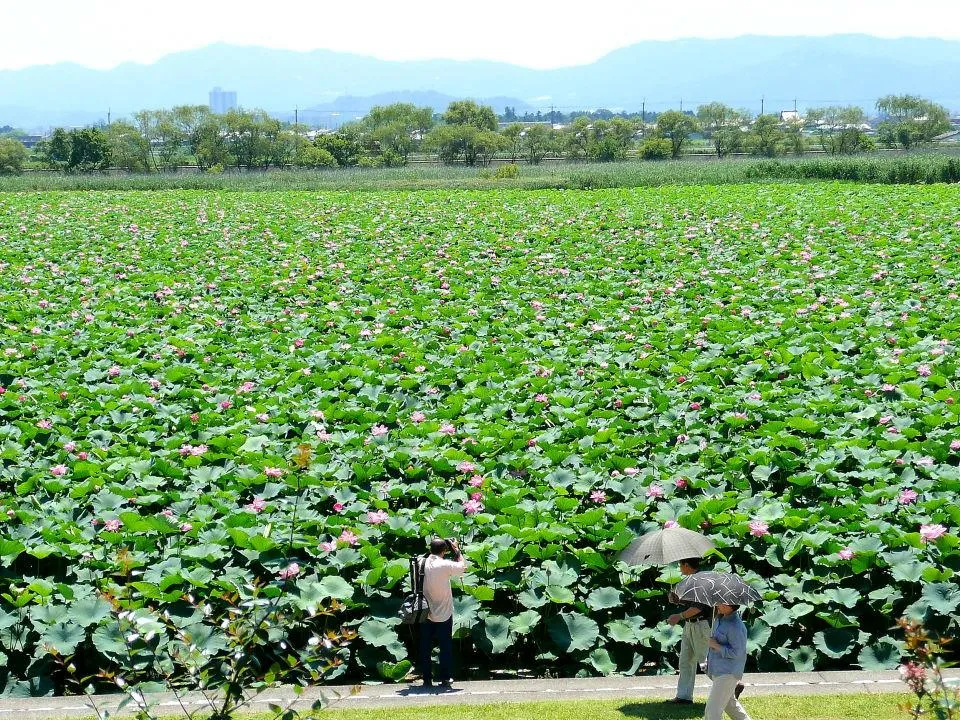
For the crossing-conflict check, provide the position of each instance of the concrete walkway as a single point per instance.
(485, 691)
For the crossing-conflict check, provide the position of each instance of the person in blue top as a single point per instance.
(726, 658)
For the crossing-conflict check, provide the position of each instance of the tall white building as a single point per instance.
(221, 101)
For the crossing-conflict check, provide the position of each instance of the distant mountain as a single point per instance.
(741, 71)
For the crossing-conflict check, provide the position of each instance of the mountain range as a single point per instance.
(744, 71)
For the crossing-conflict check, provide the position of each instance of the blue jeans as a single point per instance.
(431, 634)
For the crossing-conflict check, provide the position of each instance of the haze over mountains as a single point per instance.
(848, 69)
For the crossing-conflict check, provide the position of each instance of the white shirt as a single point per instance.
(436, 585)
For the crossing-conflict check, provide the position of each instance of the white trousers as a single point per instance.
(722, 698)
(693, 651)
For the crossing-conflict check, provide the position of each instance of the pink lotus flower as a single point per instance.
(379, 430)
(598, 496)
(655, 491)
(272, 472)
(924, 370)
(475, 481)
(83, 455)
(329, 546)
(695, 406)
(420, 369)
(532, 442)
(955, 445)
(58, 470)
(113, 371)
(447, 429)
(226, 404)
(846, 554)
(298, 343)
(889, 388)
(44, 424)
(931, 532)
(680, 483)
(681, 379)
(263, 417)
(377, 517)
(472, 507)
(349, 537)
(291, 570)
(323, 435)
(338, 507)
(466, 467)
(670, 524)
(248, 386)
(112, 525)
(630, 471)
(418, 416)
(71, 446)
(186, 527)
(907, 496)
(758, 528)
(258, 504)
(167, 513)
(542, 398)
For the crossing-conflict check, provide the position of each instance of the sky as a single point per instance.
(534, 33)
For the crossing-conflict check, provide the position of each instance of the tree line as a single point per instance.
(466, 133)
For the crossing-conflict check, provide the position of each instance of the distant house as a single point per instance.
(29, 140)
(790, 116)
(222, 101)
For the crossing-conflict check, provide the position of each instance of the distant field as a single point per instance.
(543, 374)
(920, 168)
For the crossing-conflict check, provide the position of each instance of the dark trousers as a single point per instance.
(431, 634)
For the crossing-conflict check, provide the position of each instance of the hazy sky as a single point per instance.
(103, 33)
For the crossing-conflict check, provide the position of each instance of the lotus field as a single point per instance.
(543, 375)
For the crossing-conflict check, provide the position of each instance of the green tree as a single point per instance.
(251, 137)
(13, 156)
(910, 120)
(394, 131)
(209, 143)
(129, 150)
(677, 127)
(467, 112)
(577, 138)
(537, 142)
(345, 145)
(55, 152)
(89, 150)
(611, 139)
(838, 129)
(766, 136)
(723, 126)
(513, 133)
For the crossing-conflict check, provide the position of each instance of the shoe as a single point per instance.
(446, 684)
(680, 701)
(738, 691)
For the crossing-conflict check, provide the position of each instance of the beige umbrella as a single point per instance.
(666, 546)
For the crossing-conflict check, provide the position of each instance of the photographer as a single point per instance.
(438, 629)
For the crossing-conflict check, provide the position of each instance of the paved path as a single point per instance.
(486, 691)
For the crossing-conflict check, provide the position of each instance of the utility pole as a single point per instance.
(108, 117)
(643, 111)
(681, 104)
(296, 118)
(551, 114)
(794, 104)
(762, 100)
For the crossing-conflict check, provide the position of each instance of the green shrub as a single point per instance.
(655, 149)
(13, 155)
(507, 172)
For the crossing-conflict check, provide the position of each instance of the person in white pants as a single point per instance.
(726, 659)
(693, 643)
